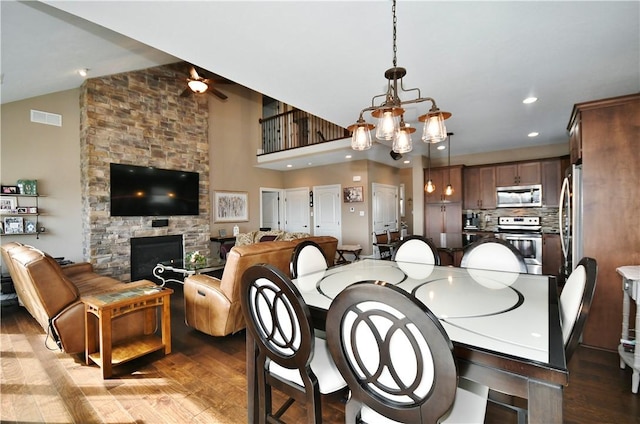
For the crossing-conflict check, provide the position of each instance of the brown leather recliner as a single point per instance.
(213, 305)
(52, 295)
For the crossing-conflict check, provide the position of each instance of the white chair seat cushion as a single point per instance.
(329, 378)
(469, 406)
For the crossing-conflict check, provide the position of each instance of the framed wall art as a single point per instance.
(230, 206)
(353, 194)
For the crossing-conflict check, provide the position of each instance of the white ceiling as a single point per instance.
(478, 60)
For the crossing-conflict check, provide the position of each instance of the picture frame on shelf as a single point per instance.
(8, 204)
(23, 210)
(8, 189)
(30, 227)
(222, 232)
(13, 225)
(353, 194)
(28, 187)
(231, 206)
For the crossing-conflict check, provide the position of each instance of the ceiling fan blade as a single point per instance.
(217, 93)
(186, 93)
(194, 73)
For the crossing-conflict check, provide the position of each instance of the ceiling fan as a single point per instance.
(197, 84)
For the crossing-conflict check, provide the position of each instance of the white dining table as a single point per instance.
(505, 326)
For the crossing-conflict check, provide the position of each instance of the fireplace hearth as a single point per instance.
(146, 252)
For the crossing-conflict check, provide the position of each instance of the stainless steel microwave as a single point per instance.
(519, 196)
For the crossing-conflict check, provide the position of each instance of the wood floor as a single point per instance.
(203, 381)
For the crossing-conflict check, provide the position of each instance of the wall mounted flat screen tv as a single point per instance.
(148, 191)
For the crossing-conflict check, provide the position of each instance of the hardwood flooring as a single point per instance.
(203, 381)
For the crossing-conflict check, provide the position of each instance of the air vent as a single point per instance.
(46, 118)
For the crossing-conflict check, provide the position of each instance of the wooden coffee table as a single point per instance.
(107, 306)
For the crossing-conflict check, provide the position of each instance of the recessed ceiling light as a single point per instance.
(442, 147)
(348, 157)
(83, 72)
(309, 163)
(530, 100)
(289, 166)
(533, 134)
(407, 161)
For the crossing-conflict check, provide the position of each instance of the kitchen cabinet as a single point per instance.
(442, 218)
(515, 174)
(551, 255)
(609, 134)
(575, 142)
(479, 187)
(551, 182)
(441, 177)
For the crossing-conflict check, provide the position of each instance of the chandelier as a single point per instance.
(390, 114)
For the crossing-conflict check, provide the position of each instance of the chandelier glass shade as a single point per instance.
(389, 113)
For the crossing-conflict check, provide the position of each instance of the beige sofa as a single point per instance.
(213, 305)
(52, 294)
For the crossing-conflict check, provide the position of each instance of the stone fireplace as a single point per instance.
(139, 118)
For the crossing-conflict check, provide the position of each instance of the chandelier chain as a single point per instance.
(395, 47)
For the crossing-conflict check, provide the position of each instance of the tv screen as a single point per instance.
(148, 191)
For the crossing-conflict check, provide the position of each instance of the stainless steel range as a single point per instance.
(525, 234)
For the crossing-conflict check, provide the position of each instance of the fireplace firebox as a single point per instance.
(146, 252)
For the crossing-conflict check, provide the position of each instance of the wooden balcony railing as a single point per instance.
(297, 128)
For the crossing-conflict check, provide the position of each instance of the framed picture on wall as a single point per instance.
(230, 206)
(353, 194)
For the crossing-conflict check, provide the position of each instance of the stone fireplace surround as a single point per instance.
(139, 118)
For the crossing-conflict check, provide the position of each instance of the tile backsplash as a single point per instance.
(488, 218)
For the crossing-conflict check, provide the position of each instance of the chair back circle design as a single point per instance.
(393, 352)
(277, 316)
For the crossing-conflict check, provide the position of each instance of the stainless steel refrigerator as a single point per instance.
(570, 215)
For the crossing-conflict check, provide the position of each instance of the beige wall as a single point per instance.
(234, 137)
(51, 155)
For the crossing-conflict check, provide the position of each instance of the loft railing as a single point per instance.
(297, 128)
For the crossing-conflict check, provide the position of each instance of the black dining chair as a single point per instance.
(397, 360)
(417, 249)
(289, 357)
(494, 254)
(307, 258)
(383, 245)
(575, 302)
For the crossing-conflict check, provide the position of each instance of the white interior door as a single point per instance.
(385, 207)
(327, 211)
(270, 208)
(296, 202)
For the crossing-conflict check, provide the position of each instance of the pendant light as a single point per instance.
(449, 190)
(390, 114)
(430, 187)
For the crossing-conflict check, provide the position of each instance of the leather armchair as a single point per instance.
(212, 305)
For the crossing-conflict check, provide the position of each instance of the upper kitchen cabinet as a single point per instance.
(551, 182)
(515, 174)
(479, 187)
(441, 177)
